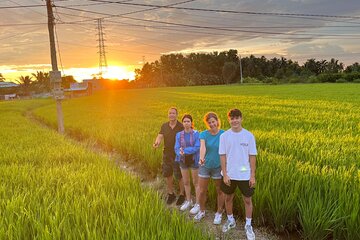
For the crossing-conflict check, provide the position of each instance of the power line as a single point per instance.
(229, 11)
(205, 27)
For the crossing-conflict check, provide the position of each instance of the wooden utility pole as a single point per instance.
(55, 74)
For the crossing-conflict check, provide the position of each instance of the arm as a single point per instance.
(158, 140)
(202, 152)
(223, 169)
(195, 148)
(177, 147)
(253, 169)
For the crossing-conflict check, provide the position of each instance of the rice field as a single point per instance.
(308, 139)
(53, 188)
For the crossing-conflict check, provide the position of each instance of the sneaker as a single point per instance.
(217, 218)
(195, 209)
(228, 225)
(171, 198)
(249, 232)
(180, 200)
(185, 205)
(200, 215)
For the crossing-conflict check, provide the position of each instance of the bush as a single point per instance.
(341, 80)
(251, 80)
(356, 81)
(329, 77)
(352, 76)
(313, 79)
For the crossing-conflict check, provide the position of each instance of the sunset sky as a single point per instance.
(138, 31)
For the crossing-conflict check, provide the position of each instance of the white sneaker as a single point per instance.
(195, 209)
(228, 225)
(185, 205)
(217, 218)
(249, 232)
(199, 216)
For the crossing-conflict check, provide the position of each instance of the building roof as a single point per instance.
(8, 84)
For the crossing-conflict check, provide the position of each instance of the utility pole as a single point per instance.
(241, 77)
(55, 74)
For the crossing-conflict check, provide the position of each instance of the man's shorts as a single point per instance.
(242, 185)
(170, 167)
(214, 173)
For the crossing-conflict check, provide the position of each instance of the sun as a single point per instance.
(118, 72)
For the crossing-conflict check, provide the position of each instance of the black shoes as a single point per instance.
(180, 200)
(171, 198)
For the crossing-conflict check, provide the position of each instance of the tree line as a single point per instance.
(35, 83)
(224, 68)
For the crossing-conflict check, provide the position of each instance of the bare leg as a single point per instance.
(220, 196)
(195, 178)
(203, 186)
(186, 179)
(170, 185)
(229, 203)
(248, 206)
(181, 186)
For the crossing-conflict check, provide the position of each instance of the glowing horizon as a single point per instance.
(12, 74)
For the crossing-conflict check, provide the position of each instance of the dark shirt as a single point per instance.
(169, 136)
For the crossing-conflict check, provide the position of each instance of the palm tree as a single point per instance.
(42, 80)
(25, 84)
(2, 79)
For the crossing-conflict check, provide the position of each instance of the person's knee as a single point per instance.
(228, 198)
(247, 201)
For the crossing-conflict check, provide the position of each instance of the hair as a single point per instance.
(234, 113)
(211, 115)
(189, 117)
(174, 108)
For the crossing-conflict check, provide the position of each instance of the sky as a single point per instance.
(138, 31)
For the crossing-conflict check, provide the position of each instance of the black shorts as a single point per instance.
(170, 167)
(242, 185)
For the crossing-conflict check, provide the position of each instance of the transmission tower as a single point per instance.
(102, 54)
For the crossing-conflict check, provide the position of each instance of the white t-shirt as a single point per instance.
(237, 146)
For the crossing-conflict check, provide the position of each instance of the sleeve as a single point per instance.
(162, 130)
(196, 147)
(203, 135)
(222, 147)
(177, 144)
(252, 145)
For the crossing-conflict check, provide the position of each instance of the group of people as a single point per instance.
(228, 157)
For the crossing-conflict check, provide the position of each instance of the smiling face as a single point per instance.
(172, 114)
(212, 124)
(235, 123)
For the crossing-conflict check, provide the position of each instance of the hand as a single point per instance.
(227, 180)
(201, 162)
(252, 182)
(181, 151)
(156, 145)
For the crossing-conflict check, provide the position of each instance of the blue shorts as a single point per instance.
(214, 173)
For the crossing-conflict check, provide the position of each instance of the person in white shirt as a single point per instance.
(237, 150)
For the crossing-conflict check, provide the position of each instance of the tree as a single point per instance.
(25, 84)
(334, 66)
(67, 80)
(42, 81)
(2, 79)
(355, 67)
(229, 72)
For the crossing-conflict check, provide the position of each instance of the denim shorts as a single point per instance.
(214, 173)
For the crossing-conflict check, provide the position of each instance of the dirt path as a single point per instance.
(157, 183)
